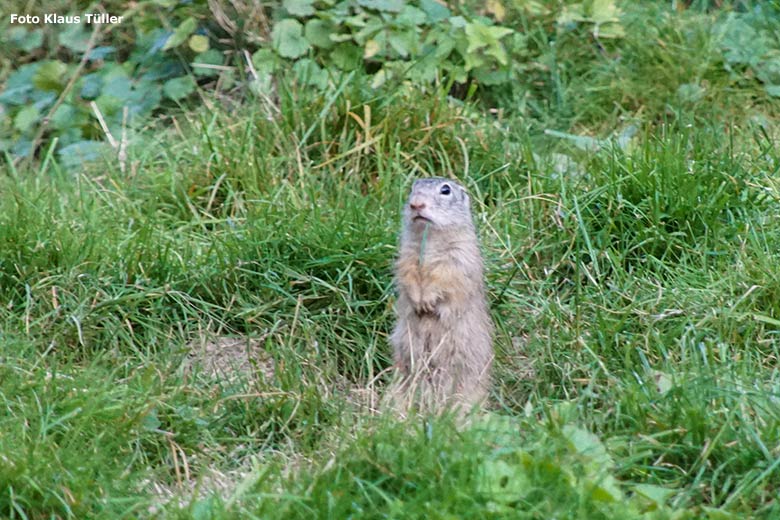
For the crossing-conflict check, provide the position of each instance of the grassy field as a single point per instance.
(204, 335)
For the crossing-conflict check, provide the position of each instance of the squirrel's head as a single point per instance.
(441, 203)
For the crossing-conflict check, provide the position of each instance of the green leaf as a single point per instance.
(604, 11)
(768, 70)
(572, 13)
(773, 90)
(26, 118)
(403, 42)
(434, 10)
(607, 490)
(503, 482)
(19, 85)
(474, 61)
(690, 92)
(287, 39)
(426, 69)
(5, 145)
(346, 56)
(374, 29)
(318, 33)
(25, 40)
(21, 147)
(588, 444)
(440, 46)
(489, 76)
(199, 43)
(65, 116)
(75, 38)
(118, 87)
(360, 20)
(299, 7)
(309, 72)
(72, 134)
(743, 45)
(458, 22)
(657, 495)
(100, 53)
(76, 154)
(459, 73)
(341, 37)
(150, 421)
(181, 33)
(113, 71)
(145, 97)
(719, 514)
(91, 85)
(264, 61)
(51, 76)
(609, 30)
(179, 88)
(411, 17)
(392, 6)
(487, 38)
(109, 105)
(210, 57)
(227, 79)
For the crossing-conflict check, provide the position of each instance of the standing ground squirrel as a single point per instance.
(442, 339)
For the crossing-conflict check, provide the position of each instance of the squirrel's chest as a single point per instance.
(439, 275)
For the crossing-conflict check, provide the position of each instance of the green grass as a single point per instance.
(636, 297)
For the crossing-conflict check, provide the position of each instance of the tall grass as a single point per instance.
(633, 286)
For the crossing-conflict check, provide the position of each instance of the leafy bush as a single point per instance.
(93, 94)
(85, 85)
(749, 42)
(394, 39)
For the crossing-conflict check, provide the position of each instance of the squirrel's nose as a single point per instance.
(417, 205)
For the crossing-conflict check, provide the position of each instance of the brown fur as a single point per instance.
(442, 339)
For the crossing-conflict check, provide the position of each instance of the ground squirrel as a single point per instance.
(442, 340)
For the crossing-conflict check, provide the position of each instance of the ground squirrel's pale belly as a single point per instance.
(445, 345)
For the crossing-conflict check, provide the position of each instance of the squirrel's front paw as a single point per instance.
(426, 305)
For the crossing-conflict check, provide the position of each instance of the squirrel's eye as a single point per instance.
(445, 189)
